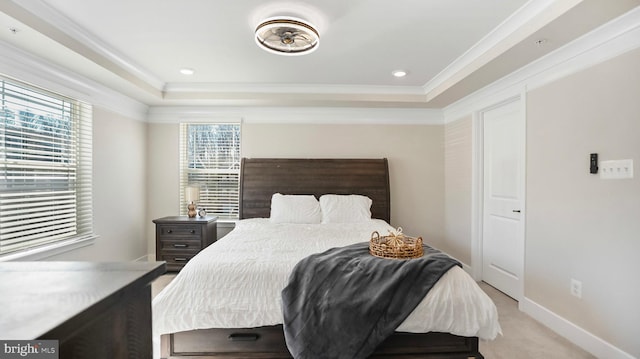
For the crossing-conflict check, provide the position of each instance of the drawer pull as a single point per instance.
(169, 231)
(193, 231)
(179, 245)
(244, 337)
(180, 259)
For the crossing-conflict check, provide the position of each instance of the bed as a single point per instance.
(225, 303)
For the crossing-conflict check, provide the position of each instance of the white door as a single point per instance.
(502, 229)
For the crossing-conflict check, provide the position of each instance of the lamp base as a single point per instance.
(191, 210)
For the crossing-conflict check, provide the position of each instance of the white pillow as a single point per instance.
(345, 208)
(295, 209)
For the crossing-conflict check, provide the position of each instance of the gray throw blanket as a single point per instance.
(344, 302)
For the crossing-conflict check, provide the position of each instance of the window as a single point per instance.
(210, 158)
(45, 168)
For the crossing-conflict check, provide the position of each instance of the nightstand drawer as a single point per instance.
(179, 238)
(183, 231)
(176, 261)
(182, 245)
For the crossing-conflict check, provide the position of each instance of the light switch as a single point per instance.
(616, 169)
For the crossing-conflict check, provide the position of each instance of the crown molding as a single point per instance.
(23, 66)
(44, 18)
(296, 115)
(45, 12)
(524, 22)
(103, 54)
(284, 95)
(177, 87)
(612, 39)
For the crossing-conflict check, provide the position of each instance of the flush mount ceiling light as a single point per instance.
(287, 36)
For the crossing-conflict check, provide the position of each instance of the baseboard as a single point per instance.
(465, 266)
(582, 338)
(467, 269)
(144, 258)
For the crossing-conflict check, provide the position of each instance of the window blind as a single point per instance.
(45, 167)
(210, 159)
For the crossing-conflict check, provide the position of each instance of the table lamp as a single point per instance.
(191, 195)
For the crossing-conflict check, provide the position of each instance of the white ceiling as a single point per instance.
(448, 47)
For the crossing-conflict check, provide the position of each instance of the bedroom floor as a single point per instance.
(524, 338)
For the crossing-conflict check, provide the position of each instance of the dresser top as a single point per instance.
(185, 219)
(38, 297)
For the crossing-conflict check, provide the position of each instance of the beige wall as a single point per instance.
(579, 226)
(457, 189)
(415, 154)
(163, 176)
(119, 190)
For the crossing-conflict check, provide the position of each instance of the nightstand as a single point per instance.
(180, 238)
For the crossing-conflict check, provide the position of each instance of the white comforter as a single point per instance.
(236, 283)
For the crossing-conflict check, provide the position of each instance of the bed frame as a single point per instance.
(260, 178)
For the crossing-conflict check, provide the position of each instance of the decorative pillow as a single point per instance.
(295, 209)
(345, 208)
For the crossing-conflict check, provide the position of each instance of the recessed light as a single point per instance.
(399, 73)
(187, 71)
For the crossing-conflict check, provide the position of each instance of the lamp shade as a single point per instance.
(192, 194)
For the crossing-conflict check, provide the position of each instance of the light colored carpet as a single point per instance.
(523, 337)
(160, 283)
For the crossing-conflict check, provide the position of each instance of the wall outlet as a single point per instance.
(576, 288)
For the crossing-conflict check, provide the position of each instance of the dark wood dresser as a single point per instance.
(94, 310)
(179, 238)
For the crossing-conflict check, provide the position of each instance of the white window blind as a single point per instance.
(210, 158)
(45, 167)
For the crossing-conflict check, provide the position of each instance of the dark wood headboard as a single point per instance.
(260, 178)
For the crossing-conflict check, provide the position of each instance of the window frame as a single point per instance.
(16, 95)
(205, 192)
